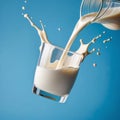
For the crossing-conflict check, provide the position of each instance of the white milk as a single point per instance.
(58, 82)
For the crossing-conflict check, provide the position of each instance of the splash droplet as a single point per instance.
(98, 49)
(42, 25)
(94, 64)
(25, 1)
(59, 29)
(23, 8)
(98, 53)
(25, 15)
(107, 40)
(100, 36)
(104, 32)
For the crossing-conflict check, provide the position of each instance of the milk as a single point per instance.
(42, 34)
(58, 82)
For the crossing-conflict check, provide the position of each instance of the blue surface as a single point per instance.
(96, 93)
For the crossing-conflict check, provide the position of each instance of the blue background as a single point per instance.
(96, 93)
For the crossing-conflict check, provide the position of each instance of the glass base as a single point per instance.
(60, 99)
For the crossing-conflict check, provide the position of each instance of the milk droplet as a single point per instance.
(107, 40)
(93, 40)
(93, 50)
(94, 64)
(98, 49)
(42, 25)
(99, 36)
(23, 8)
(59, 29)
(104, 32)
(98, 53)
(25, 15)
(25, 1)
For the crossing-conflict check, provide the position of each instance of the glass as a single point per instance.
(53, 82)
(92, 6)
(105, 12)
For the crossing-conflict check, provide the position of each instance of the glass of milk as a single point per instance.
(55, 82)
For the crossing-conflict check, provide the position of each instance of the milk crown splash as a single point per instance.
(82, 50)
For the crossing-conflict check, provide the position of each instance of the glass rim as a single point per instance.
(62, 49)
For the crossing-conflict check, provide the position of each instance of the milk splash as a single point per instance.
(83, 48)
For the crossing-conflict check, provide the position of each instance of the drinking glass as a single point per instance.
(106, 12)
(53, 82)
